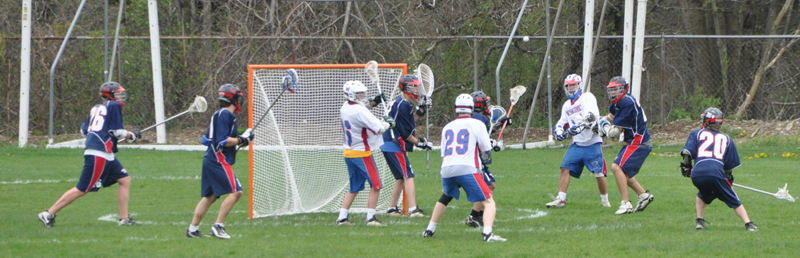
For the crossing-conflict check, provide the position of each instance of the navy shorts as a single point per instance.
(99, 172)
(218, 178)
(399, 164)
(710, 188)
(631, 157)
(362, 170)
(589, 156)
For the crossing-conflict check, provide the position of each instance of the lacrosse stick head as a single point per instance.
(372, 71)
(290, 80)
(783, 193)
(199, 105)
(516, 92)
(425, 75)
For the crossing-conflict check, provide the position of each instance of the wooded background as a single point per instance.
(699, 71)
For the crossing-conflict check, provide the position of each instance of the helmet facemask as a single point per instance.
(616, 89)
(573, 91)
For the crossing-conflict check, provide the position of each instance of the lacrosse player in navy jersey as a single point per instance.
(101, 168)
(462, 140)
(586, 149)
(715, 157)
(362, 134)
(400, 140)
(629, 119)
(218, 178)
(480, 112)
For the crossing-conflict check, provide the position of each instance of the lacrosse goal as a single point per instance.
(296, 161)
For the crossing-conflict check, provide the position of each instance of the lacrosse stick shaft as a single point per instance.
(268, 108)
(162, 122)
(500, 136)
(427, 136)
(754, 190)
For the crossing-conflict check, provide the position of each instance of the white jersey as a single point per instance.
(361, 130)
(572, 113)
(462, 141)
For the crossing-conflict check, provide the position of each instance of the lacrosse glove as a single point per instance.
(390, 120)
(136, 135)
(729, 175)
(686, 163)
(560, 135)
(378, 99)
(246, 138)
(423, 143)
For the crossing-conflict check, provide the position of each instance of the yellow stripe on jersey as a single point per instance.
(356, 154)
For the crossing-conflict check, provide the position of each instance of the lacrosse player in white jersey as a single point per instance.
(462, 140)
(579, 116)
(362, 134)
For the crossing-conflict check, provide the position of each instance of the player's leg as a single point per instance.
(700, 205)
(397, 172)
(622, 179)
(68, 197)
(202, 208)
(123, 193)
(596, 164)
(93, 168)
(410, 188)
(449, 191)
(478, 191)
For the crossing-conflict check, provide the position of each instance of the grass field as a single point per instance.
(166, 189)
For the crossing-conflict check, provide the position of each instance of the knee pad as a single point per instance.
(445, 199)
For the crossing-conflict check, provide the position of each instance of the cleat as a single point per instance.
(374, 222)
(605, 203)
(393, 212)
(474, 222)
(219, 232)
(194, 234)
(417, 213)
(556, 203)
(128, 222)
(750, 226)
(493, 238)
(700, 223)
(427, 233)
(625, 207)
(644, 199)
(47, 219)
(344, 222)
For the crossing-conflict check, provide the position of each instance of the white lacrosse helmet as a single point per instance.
(464, 103)
(355, 91)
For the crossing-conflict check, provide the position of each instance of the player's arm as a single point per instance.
(484, 143)
(558, 131)
(114, 118)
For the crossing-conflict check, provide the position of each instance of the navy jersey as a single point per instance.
(713, 151)
(223, 125)
(103, 119)
(403, 113)
(482, 118)
(629, 116)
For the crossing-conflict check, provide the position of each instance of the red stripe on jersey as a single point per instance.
(228, 170)
(402, 144)
(487, 193)
(372, 172)
(99, 166)
(364, 136)
(109, 145)
(477, 165)
(637, 139)
(627, 154)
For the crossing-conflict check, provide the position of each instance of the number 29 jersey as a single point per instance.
(462, 141)
(714, 152)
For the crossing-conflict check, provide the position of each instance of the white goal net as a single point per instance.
(297, 162)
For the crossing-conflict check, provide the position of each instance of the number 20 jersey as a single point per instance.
(714, 152)
(462, 141)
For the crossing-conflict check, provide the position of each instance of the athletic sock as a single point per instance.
(392, 208)
(370, 214)
(487, 230)
(342, 214)
(562, 196)
(480, 214)
(193, 228)
(604, 197)
(219, 224)
(432, 226)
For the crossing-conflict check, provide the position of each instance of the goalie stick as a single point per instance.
(425, 75)
(496, 113)
(782, 193)
(199, 105)
(289, 82)
(372, 71)
(515, 93)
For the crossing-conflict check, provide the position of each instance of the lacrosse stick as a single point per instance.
(782, 193)
(516, 92)
(496, 113)
(199, 105)
(289, 82)
(426, 77)
(372, 71)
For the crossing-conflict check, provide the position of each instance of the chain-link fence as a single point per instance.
(697, 72)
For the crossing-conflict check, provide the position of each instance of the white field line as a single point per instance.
(53, 181)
